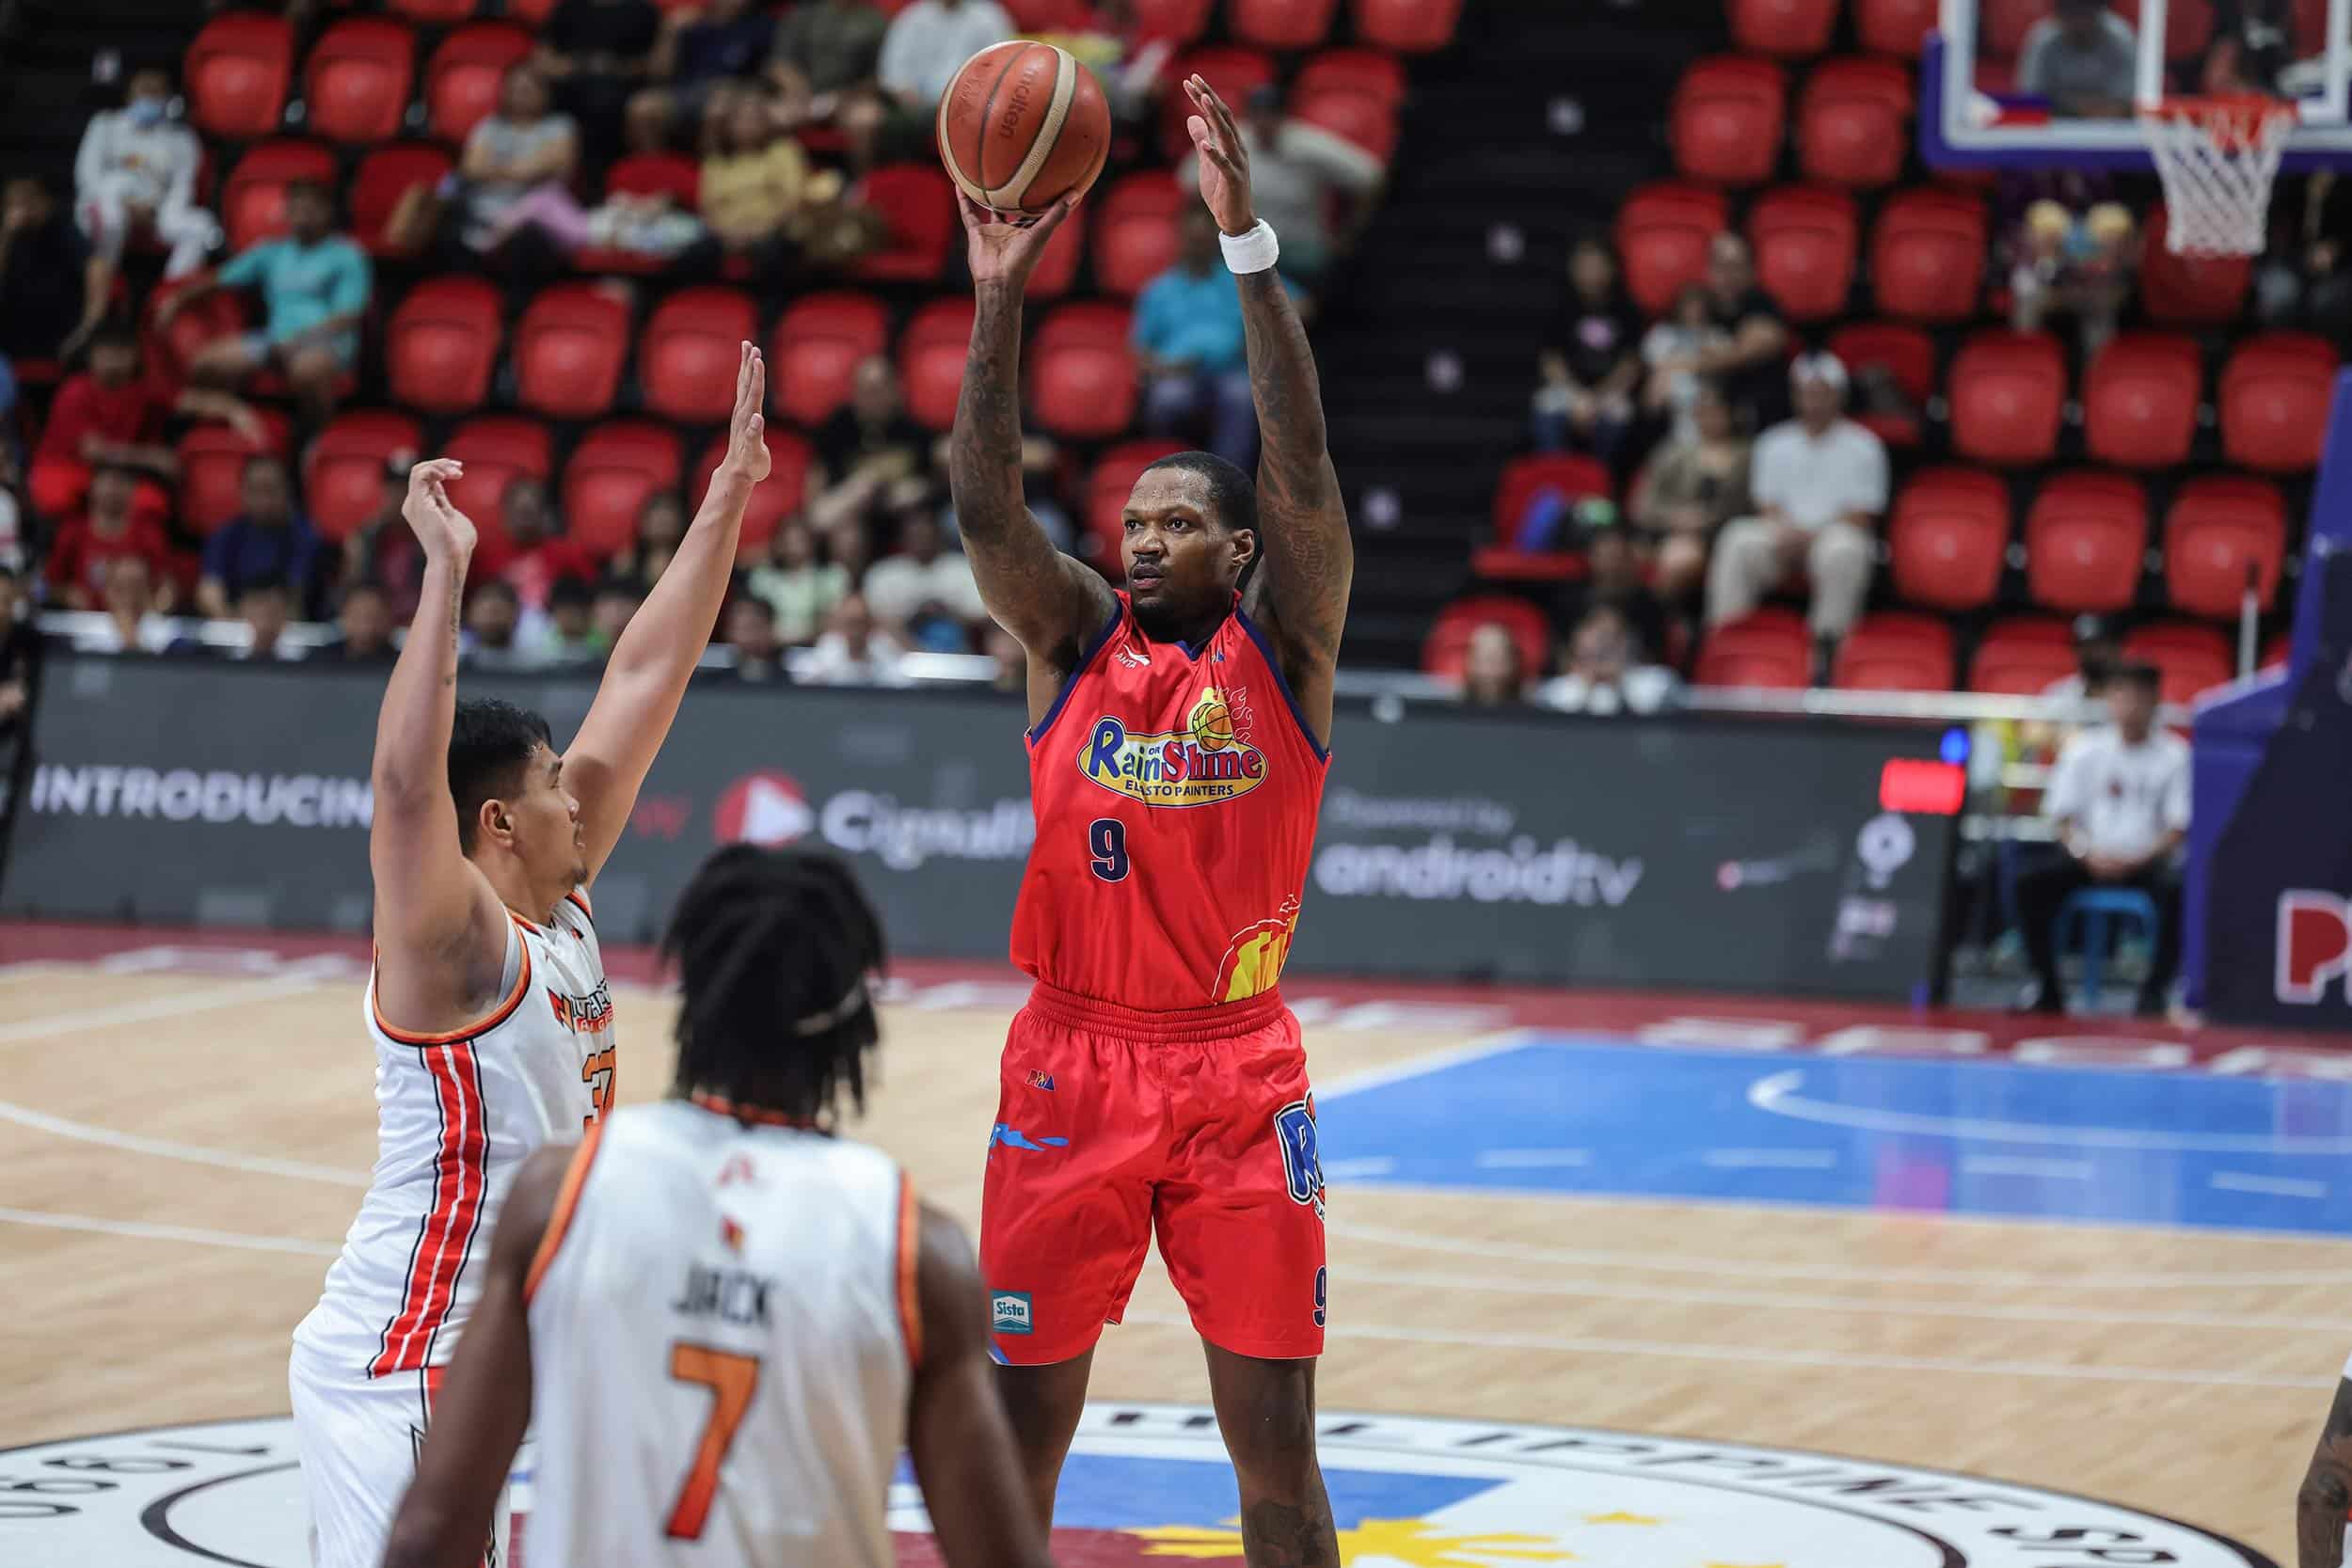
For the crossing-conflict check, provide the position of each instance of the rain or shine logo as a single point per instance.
(1205, 762)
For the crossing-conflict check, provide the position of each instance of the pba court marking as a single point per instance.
(1147, 1483)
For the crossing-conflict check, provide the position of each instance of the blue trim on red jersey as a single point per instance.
(1036, 732)
(1282, 684)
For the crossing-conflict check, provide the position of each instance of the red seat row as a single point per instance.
(1800, 29)
(1728, 119)
(1895, 651)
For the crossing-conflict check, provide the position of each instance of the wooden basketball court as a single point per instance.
(181, 1149)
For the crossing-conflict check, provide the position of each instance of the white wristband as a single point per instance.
(1254, 251)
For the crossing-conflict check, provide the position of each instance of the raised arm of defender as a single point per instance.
(1307, 560)
(1052, 603)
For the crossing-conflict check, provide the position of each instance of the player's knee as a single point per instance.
(1267, 1413)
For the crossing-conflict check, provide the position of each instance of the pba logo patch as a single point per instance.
(1205, 762)
(1149, 1486)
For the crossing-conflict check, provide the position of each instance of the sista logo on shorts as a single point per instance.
(1199, 765)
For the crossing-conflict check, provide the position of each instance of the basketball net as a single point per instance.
(2217, 158)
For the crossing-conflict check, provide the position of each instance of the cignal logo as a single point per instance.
(767, 809)
(2314, 943)
(771, 809)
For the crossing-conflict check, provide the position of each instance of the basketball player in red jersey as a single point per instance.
(1155, 1083)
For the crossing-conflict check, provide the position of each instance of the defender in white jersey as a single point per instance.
(487, 1007)
(724, 1321)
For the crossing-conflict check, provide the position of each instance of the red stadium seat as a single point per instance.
(1726, 119)
(1357, 117)
(2002, 26)
(1235, 74)
(385, 175)
(2188, 27)
(1408, 26)
(1805, 238)
(1448, 639)
(931, 360)
(1893, 27)
(1524, 479)
(236, 72)
(212, 471)
(2084, 539)
(1927, 255)
(816, 349)
(1948, 534)
(1792, 30)
(2274, 398)
(778, 497)
(170, 348)
(2022, 657)
(1770, 648)
(442, 344)
(356, 80)
(1854, 123)
(611, 471)
(1662, 234)
(531, 14)
(1280, 24)
(670, 174)
(253, 202)
(1050, 16)
(2139, 400)
(1905, 356)
(496, 451)
(343, 474)
(1057, 269)
(2181, 290)
(1134, 231)
(1365, 70)
(920, 205)
(570, 348)
(434, 13)
(1107, 489)
(2008, 390)
(1177, 22)
(691, 349)
(2190, 661)
(2217, 531)
(461, 82)
(1082, 372)
(1893, 651)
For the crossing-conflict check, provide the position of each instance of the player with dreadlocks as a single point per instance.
(722, 1320)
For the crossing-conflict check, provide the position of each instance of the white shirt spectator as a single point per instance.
(2122, 799)
(1818, 480)
(896, 586)
(1642, 688)
(152, 165)
(928, 41)
(832, 662)
(100, 634)
(1293, 175)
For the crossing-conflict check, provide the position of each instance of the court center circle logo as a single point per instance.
(1147, 1486)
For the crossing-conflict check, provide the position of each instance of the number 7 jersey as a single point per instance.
(1176, 792)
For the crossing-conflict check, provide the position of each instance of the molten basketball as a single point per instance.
(1021, 126)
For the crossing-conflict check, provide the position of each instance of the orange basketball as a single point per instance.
(1022, 125)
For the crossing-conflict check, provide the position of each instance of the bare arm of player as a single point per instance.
(1305, 557)
(957, 1433)
(646, 676)
(439, 931)
(484, 1399)
(1050, 602)
(2325, 1499)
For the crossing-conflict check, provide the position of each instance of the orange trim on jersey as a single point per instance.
(910, 1308)
(446, 1234)
(580, 900)
(479, 1026)
(746, 1113)
(560, 1217)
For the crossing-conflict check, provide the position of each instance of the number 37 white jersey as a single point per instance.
(724, 1331)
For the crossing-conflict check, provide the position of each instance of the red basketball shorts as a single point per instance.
(1114, 1125)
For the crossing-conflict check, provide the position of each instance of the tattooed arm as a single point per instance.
(2325, 1496)
(1050, 602)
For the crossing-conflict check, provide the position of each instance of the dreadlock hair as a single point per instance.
(773, 949)
(489, 743)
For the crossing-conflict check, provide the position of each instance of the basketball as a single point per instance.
(1022, 125)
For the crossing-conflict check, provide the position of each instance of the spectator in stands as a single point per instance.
(107, 531)
(1588, 358)
(1615, 580)
(270, 541)
(2075, 263)
(799, 588)
(1493, 674)
(365, 621)
(1754, 339)
(2118, 804)
(868, 445)
(1671, 352)
(825, 54)
(20, 648)
(110, 413)
(750, 630)
(616, 605)
(2083, 60)
(1127, 56)
(1041, 473)
(568, 633)
(1601, 671)
(134, 622)
(1190, 348)
(1314, 187)
(136, 173)
(1821, 482)
(598, 54)
(1696, 484)
(759, 195)
(2305, 281)
(925, 593)
(494, 627)
(661, 529)
(41, 258)
(385, 554)
(2253, 47)
(542, 554)
(701, 52)
(315, 286)
(518, 164)
(265, 606)
(926, 45)
(854, 651)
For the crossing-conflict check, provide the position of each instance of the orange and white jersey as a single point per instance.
(456, 1114)
(723, 1333)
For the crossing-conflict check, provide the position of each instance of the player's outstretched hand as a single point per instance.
(747, 459)
(446, 533)
(1003, 249)
(1224, 159)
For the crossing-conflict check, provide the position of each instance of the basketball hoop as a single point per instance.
(2217, 157)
